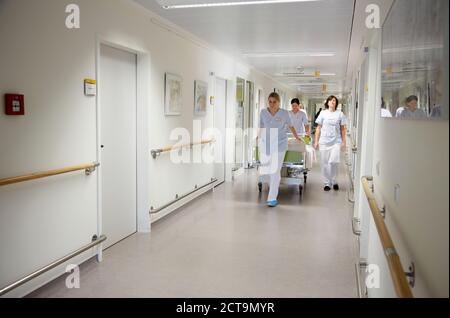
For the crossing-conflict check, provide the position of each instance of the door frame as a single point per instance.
(224, 137)
(143, 65)
(248, 123)
(371, 112)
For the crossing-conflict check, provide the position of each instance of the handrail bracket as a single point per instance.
(411, 275)
(90, 170)
(156, 152)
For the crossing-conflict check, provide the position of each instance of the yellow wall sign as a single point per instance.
(90, 87)
(317, 73)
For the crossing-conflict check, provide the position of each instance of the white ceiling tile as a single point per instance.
(318, 26)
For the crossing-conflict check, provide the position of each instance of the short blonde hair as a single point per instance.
(276, 96)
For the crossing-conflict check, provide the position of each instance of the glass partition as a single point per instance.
(413, 60)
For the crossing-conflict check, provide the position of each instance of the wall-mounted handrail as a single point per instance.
(88, 168)
(95, 241)
(178, 198)
(395, 266)
(157, 152)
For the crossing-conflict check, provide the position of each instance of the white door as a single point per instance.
(220, 124)
(117, 89)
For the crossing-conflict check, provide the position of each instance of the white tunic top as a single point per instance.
(276, 127)
(331, 122)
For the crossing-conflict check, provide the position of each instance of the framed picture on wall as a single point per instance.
(173, 95)
(201, 97)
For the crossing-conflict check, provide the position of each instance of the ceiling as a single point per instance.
(307, 27)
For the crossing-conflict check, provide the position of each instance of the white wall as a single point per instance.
(41, 221)
(414, 155)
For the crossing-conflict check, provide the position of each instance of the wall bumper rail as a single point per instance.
(95, 241)
(178, 198)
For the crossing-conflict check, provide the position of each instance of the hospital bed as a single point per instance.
(297, 162)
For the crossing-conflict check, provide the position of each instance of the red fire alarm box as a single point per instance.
(14, 104)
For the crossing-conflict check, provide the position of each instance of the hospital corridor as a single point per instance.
(258, 252)
(224, 149)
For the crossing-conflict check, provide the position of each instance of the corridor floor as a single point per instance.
(228, 244)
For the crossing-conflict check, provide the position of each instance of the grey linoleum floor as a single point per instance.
(227, 243)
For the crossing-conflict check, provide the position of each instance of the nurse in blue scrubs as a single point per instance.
(274, 124)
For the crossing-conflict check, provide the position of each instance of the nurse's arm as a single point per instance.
(344, 136)
(317, 136)
(307, 129)
(294, 132)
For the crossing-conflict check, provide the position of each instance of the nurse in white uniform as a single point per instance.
(330, 136)
(299, 118)
(273, 144)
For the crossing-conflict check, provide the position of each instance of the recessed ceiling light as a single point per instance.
(298, 74)
(416, 48)
(230, 3)
(291, 54)
(313, 84)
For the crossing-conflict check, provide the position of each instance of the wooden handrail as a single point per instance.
(156, 152)
(171, 148)
(395, 266)
(89, 168)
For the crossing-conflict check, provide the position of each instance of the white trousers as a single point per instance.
(270, 171)
(330, 157)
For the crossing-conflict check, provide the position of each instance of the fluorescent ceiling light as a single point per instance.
(313, 84)
(291, 54)
(231, 3)
(303, 74)
(411, 49)
(413, 70)
(395, 81)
